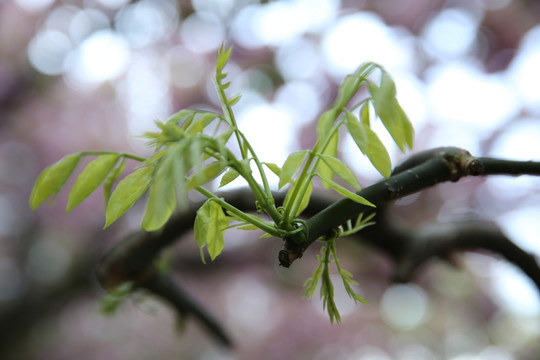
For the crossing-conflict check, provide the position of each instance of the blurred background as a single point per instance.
(94, 75)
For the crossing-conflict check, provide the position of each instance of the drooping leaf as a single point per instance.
(127, 192)
(161, 200)
(291, 166)
(407, 127)
(228, 177)
(210, 224)
(369, 143)
(173, 166)
(340, 169)
(90, 178)
(327, 290)
(364, 114)
(113, 175)
(206, 174)
(346, 192)
(52, 179)
(390, 112)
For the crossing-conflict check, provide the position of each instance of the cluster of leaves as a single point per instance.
(192, 148)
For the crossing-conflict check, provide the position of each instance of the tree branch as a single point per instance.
(131, 259)
(421, 171)
(445, 239)
(166, 289)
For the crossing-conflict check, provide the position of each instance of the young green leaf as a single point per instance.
(222, 139)
(161, 200)
(407, 127)
(326, 121)
(350, 85)
(327, 289)
(346, 90)
(245, 226)
(52, 179)
(90, 178)
(222, 57)
(185, 116)
(345, 192)
(390, 112)
(364, 114)
(331, 150)
(194, 154)
(128, 191)
(291, 166)
(369, 143)
(304, 202)
(346, 277)
(228, 177)
(206, 174)
(359, 224)
(233, 100)
(113, 175)
(209, 227)
(311, 283)
(200, 123)
(340, 169)
(274, 168)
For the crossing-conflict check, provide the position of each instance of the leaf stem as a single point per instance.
(240, 214)
(124, 155)
(302, 183)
